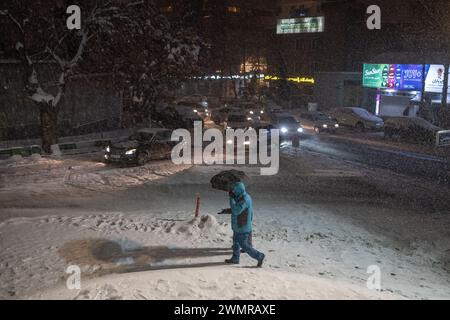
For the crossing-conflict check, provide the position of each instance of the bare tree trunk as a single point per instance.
(49, 126)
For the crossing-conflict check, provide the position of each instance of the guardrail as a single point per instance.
(67, 145)
(65, 148)
(20, 151)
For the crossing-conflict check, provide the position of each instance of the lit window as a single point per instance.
(167, 9)
(233, 9)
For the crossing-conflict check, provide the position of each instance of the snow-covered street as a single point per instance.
(251, 152)
(322, 223)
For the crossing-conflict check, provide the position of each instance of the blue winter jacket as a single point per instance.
(242, 209)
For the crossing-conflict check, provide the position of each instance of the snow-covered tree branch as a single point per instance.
(43, 42)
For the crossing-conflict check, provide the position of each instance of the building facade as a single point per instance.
(412, 32)
(238, 33)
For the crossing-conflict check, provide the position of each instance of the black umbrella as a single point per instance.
(226, 179)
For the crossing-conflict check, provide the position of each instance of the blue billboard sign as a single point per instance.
(406, 77)
(409, 77)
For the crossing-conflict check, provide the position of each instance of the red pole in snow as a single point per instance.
(197, 207)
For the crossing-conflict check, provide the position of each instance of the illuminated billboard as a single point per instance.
(374, 75)
(301, 25)
(434, 78)
(393, 76)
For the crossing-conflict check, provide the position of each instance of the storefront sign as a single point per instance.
(306, 80)
(301, 25)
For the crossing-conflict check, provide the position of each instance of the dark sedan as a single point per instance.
(319, 122)
(143, 146)
(289, 127)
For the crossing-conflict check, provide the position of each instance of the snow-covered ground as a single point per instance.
(321, 222)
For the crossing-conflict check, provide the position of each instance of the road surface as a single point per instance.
(342, 147)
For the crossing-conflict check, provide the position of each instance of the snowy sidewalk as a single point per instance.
(214, 283)
(320, 221)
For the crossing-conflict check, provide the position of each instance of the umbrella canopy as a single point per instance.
(226, 179)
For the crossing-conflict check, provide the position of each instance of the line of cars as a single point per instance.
(408, 129)
(155, 144)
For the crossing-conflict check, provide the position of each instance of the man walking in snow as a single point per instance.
(241, 222)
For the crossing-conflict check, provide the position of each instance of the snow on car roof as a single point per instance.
(405, 121)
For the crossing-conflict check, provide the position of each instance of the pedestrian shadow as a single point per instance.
(102, 257)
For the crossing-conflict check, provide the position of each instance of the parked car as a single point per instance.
(358, 118)
(319, 122)
(290, 128)
(415, 130)
(141, 147)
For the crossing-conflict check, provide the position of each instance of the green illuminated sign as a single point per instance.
(376, 75)
(301, 25)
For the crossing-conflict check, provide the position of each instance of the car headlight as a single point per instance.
(325, 126)
(130, 152)
(108, 149)
(336, 125)
(284, 130)
(300, 130)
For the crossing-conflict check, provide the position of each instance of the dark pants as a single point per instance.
(250, 239)
(241, 240)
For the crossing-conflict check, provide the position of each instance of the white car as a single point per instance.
(358, 118)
